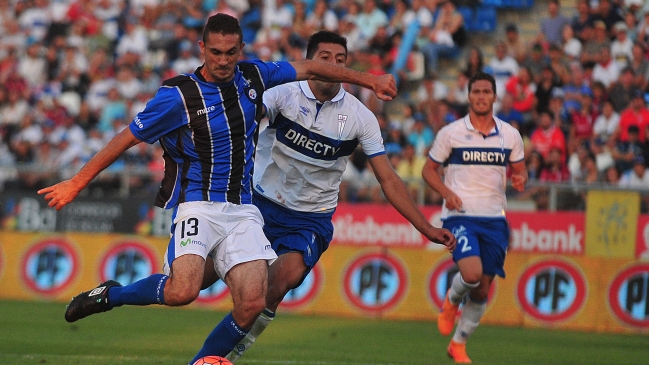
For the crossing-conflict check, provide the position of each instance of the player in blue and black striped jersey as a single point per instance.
(207, 123)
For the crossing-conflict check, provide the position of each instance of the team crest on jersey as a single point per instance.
(252, 94)
(342, 119)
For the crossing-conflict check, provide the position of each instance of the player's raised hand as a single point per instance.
(61, 194)
(385, 87)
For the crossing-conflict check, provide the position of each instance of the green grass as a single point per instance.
(36, 333)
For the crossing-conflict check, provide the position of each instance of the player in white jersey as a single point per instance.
(301, 156)
(475, 151)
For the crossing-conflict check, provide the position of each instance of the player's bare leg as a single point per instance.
(283, 275)
(185, 280)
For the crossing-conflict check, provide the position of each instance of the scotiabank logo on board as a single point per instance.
(628, 295)
(547, 233)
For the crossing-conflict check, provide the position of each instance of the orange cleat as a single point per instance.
(446, 318)
(457, 352)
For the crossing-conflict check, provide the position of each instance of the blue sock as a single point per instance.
(146, 291)
(222, 340)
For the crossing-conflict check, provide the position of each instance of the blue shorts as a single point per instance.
(484, 237)
(292, 231)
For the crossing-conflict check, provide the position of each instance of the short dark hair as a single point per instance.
(324, 36)
(224, 24)
(482, 76)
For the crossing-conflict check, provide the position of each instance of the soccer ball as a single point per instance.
(212, 360)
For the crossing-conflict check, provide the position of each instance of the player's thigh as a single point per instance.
(185, 280)
(287, 271)
(248, 282)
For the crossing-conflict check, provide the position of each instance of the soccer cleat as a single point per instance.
(457, 352)
(89, 302)
(446, 318)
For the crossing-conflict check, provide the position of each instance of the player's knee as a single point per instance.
(472, 278)
(248, 311)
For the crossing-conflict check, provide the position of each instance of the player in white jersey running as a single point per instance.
(301, 156)
(475, 151)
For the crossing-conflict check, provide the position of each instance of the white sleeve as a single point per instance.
(370, 133)
(441, 149)
(271, 102)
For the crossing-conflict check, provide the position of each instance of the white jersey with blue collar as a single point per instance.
(303, 152)
(475, 165)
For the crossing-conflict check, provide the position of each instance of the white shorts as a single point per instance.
(231, 233)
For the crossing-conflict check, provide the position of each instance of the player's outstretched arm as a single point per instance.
(432, 178)
(397, 194)
(59, 195)
(384, 86)
(519, 175)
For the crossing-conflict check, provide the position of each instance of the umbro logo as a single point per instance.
(304, 110)
(97, 291)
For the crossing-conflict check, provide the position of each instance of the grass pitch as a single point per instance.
(36, 333)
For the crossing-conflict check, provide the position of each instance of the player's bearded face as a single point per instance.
(221, 53)
(482, 98)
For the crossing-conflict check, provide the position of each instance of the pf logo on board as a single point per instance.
(49, 266)
(628, 296)
(128, 262)
(375, 282)
(552, 290)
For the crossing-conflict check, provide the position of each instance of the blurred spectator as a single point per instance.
(611, 176)
(420, 137)
(588, 172)
(637, 176)
(370, 19)
(545, 86)
(635, 114)
(548, 136)
(609, 13)
(570, 44)
(509, 114)
(32, 66)
(474, 62)
(600, 96)
(36, 19)
(115, 108)
(458, 95)
(626, 151)
(552, 26)
(595, 42)
(502, 67)
(133, 45)
(555, 169)
(534, 165)
(409, 169)
(186, 62)
(446, 37)
(603, 156)
(430, 91)
(395, 140)
(559, 64)
(623, 90)
(535, 60)
(402, 17)
(584, 20)
(515, 46)
(606, 70)
(622, 46)
(639, 65)
(581, 123)
(606, 123)
(322, 18)
(13, 111)
(522, 88)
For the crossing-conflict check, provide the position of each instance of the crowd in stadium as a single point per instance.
(76, 72)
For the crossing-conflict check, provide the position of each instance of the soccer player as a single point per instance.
(475, 151)
(207, 124)
(313, 128)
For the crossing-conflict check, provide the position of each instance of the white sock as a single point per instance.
(258, 327)
(469, 319)
(459, 289)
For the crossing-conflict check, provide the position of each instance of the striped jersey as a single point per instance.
(303, 152)
(475, 165)
(208, 132)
